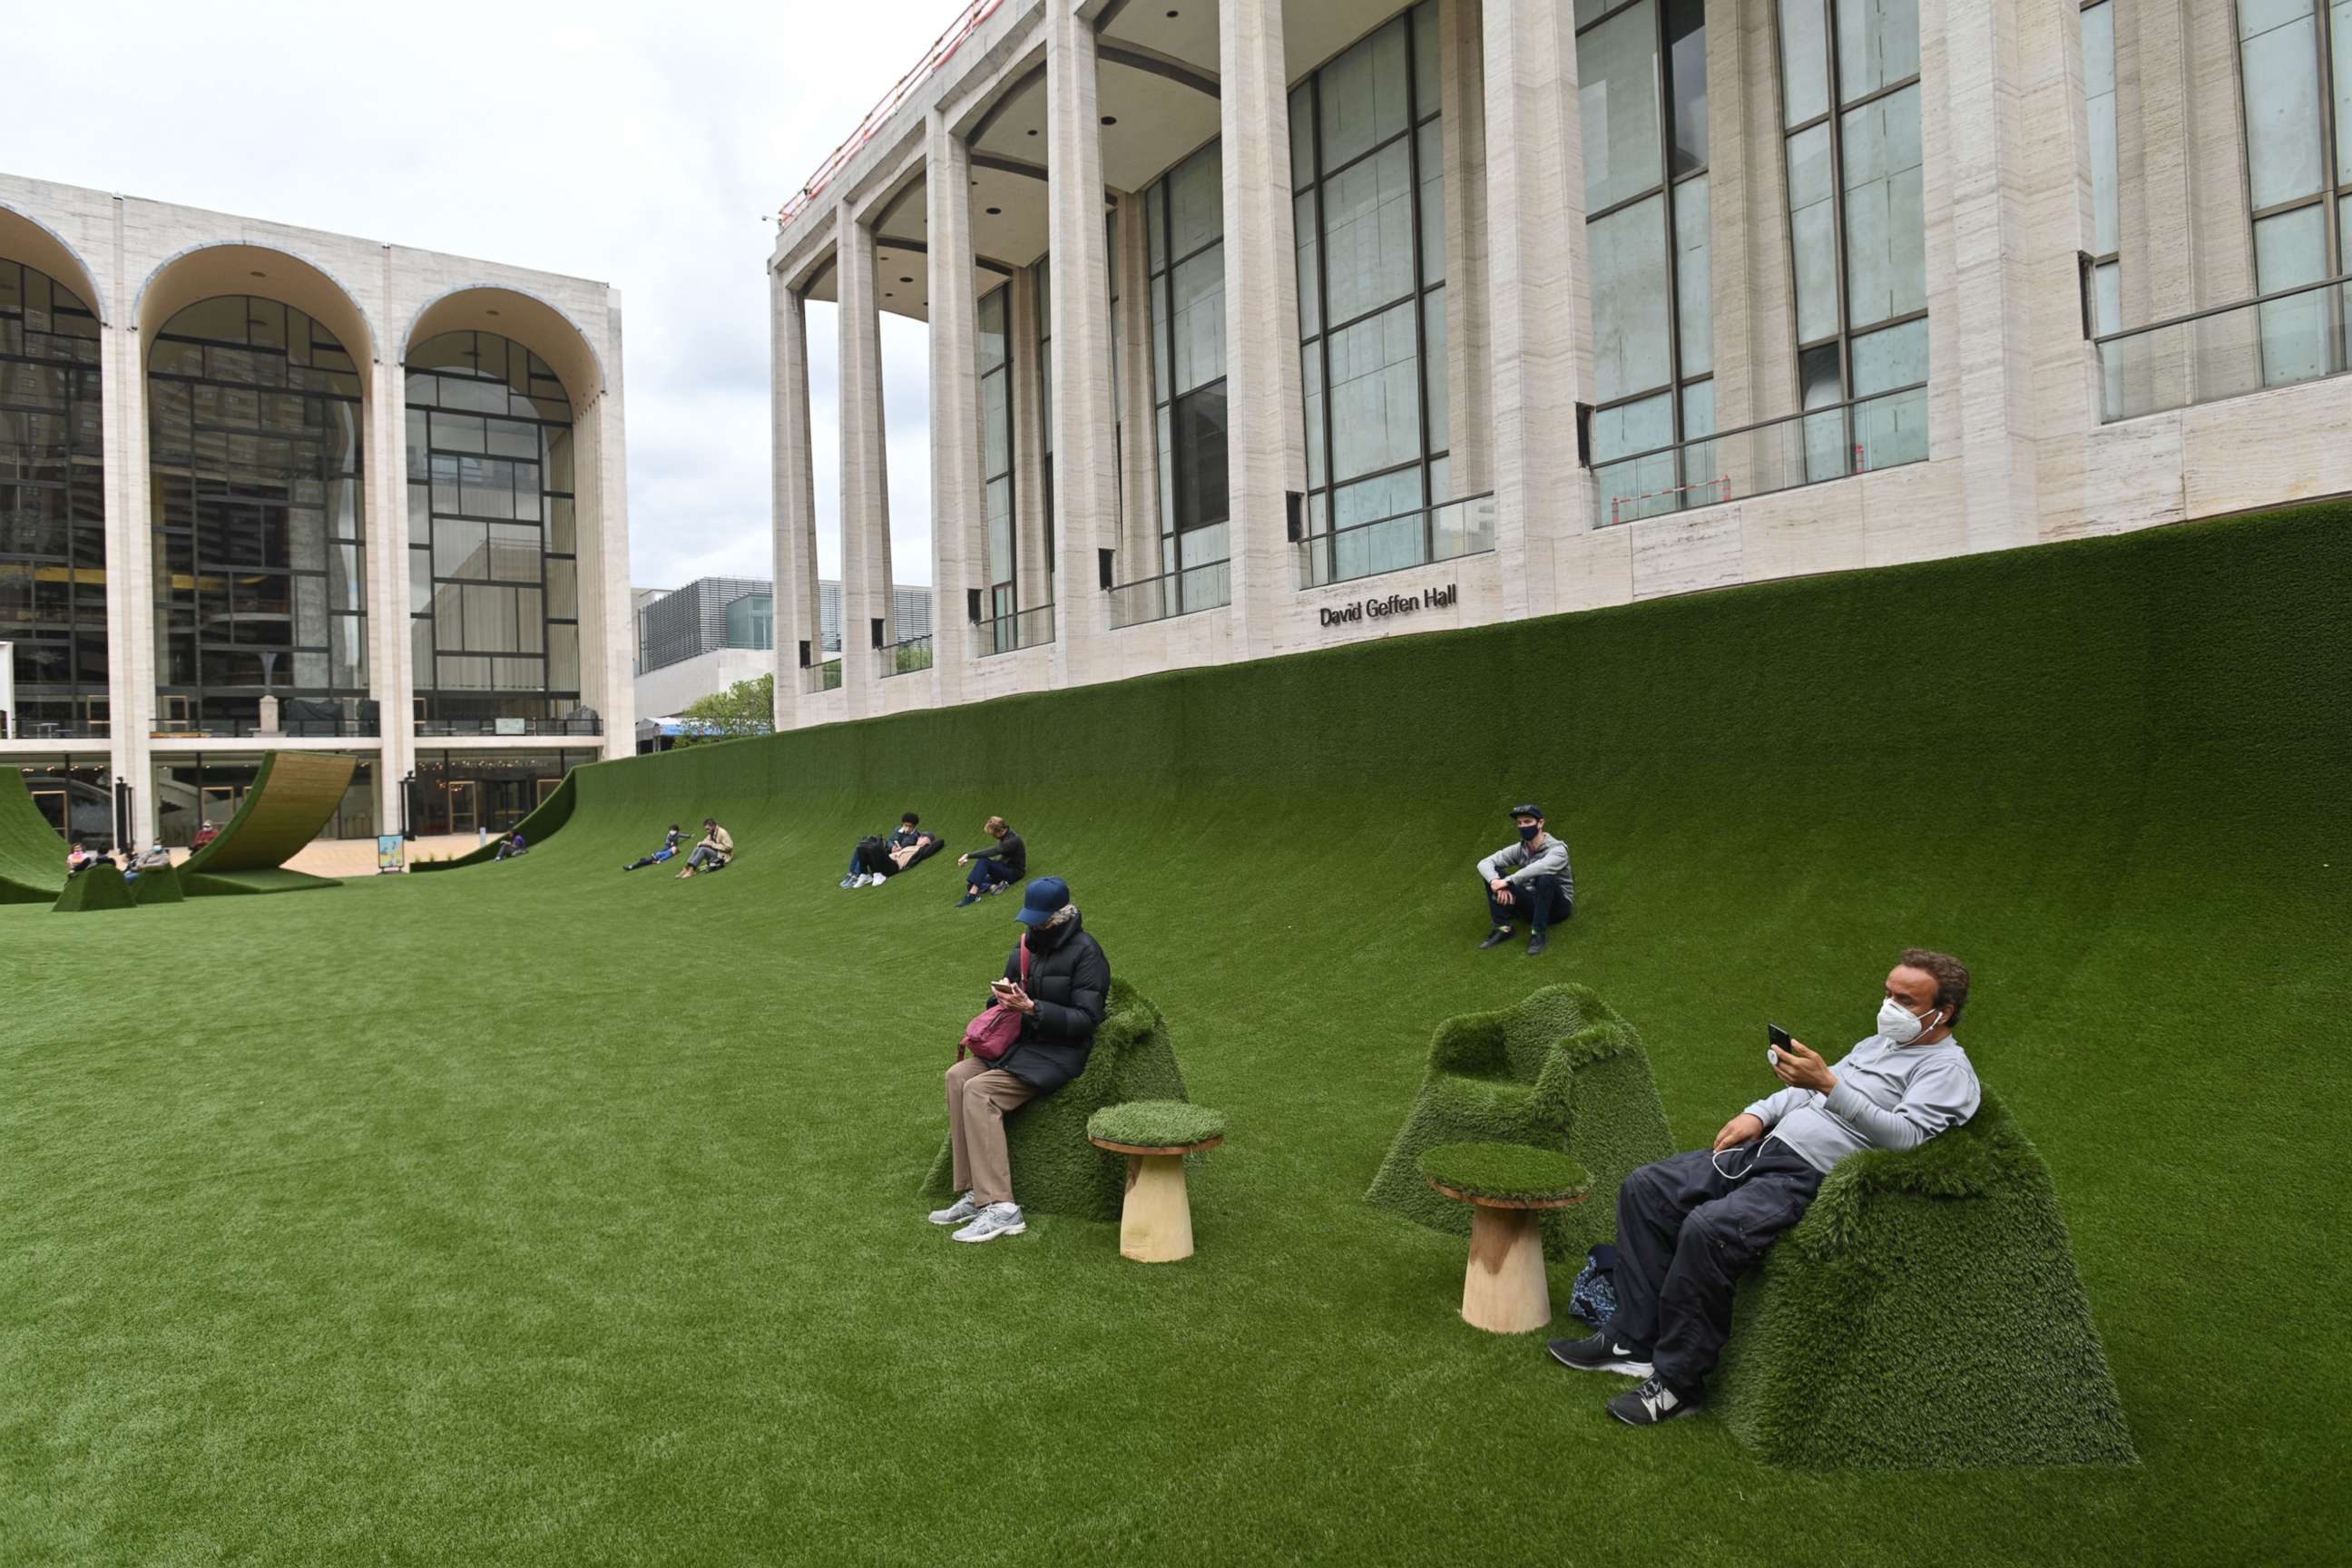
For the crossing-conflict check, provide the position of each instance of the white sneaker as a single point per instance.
(995, 1220)
(964, 1208)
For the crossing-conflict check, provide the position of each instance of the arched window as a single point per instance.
(493, 558)
(254, 428)
(52, 506)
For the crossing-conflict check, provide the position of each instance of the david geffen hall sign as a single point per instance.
(1394, 604)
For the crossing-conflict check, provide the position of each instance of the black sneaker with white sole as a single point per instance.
(1600, 1353)
(1496, 938)
(1650, 1402)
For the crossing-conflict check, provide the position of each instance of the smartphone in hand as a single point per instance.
(1777, 1040)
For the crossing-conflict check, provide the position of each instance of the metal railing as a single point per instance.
(1885, 430)
(907, 656)
(1004, 634)
(1418, 538)
(440, 728)
(15, 728)
(962, 27)
(824, 676)
(1206, 587)
(2279, 339)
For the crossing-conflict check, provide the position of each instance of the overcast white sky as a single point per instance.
(644, 146)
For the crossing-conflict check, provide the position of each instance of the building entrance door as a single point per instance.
(465, 805)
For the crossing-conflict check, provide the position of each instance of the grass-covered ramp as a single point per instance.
(538, 1214)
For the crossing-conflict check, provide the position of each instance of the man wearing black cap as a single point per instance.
(1530, 878)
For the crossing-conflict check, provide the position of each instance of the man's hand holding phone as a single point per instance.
(1799, 1066)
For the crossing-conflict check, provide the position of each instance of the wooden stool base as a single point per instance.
(1155, 1224)
(1504, 1291)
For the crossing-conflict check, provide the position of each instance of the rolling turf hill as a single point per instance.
(534, 1213)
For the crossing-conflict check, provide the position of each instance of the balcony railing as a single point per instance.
(1885, 430)
(907, 657)
(1004, 634)
(439, 727)
(2271, 340)
(825, 677)
(1418, 538)
(1204, 587)
(14, 726)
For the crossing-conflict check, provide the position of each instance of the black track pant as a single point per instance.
(1684, 1233)
(1538, 900)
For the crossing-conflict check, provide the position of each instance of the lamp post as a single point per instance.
(408, 784)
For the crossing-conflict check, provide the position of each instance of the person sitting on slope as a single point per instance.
(669, 851)
(993, 870)
(1530, 878)
(713, 853)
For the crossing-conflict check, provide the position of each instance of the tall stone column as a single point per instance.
(1086, 442)
(1469, 356)
(390, 681)
(131, 661)
(1975, 175)
(1535, 228)
(865, 479)
(612, 616)
(1265, 439)
(1032, 585)
(793, 475)
(957, 516)
(1139, 427)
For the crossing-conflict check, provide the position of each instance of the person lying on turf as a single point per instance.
(878, 859)
(1689, 1224)
(669, 851)
(993, 870)
(1530, 878)
(712, 851)
(512, 847)
(1061, 999)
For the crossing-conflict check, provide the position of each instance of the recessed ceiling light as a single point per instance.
(996, 212)
(1032, 133)
(489, 312)
(888, 295)
(1171, 15)
(905, 281)
(260, 274)
(1110, 120)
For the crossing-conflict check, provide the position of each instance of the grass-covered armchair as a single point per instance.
(100, 888)
(1561, 1071)
(1925, 1314)
(1055, 1169)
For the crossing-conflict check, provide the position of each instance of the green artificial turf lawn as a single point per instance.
(542, 1215)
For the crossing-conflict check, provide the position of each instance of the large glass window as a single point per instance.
(1185, 212)
(1857, 228)
(1368, 169)
(484, 793)
(254, 423)
(196, 789)
(1641, 97)
(2295, 76)
(52, 506)
(493, 533)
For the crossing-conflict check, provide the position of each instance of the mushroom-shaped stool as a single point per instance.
(1504, 1290)
(1155, 1222)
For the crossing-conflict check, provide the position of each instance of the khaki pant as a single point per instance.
(978, 1097)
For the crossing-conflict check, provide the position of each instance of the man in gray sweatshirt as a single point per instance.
(1689, 1225)
(1529, 879)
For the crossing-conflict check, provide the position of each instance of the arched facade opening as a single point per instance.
(52, 507)
(256, 435)
(493, 535)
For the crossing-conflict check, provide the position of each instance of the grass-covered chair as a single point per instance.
(1925, 1314)
(1561, 1071)
(1055, 1169)
(158, 887)
(100, 888)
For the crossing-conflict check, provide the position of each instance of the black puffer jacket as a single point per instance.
(1071, 984)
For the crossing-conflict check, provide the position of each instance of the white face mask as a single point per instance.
(1896, 1023)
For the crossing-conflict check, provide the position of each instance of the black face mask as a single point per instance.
(1045, 939)
(1527, 834)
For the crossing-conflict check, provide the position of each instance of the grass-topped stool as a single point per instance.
(1155, 1223)
(1504, 1291)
